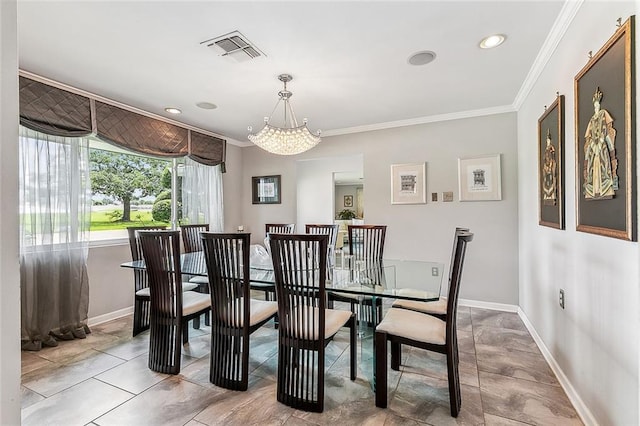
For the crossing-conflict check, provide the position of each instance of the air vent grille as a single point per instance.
(234, 45)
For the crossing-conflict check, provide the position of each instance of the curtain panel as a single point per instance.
(55, 209)
(58, 112)
(202, 200)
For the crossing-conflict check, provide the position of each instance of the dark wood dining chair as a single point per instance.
(366, 246)
(306, 325)
(191, 243)
(279, 228)
(141, 300)
(437, 308)
(332, 232)
(171, 308)
(407, 327)
(234, 314)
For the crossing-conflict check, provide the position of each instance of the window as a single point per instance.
(127, 190)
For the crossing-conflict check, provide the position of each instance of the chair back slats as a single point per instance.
(461, 239)
(300, 272)
(366, 242)
(458, 231)
(227, 260)
(161, 252)
(332, 232)
(191, 236)
(141, 305)
(280, 228)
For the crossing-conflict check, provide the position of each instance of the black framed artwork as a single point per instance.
(265, 189)
(551, 165)
(605, 135)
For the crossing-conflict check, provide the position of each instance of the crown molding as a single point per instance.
(560, 26)
(420, 120)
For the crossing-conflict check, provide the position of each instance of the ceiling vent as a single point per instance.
(235, 46)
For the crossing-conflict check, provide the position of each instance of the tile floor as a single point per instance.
(104, 380)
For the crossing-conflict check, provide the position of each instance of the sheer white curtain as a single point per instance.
(55, 209)
(202, 195)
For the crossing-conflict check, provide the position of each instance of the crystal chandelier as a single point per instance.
(290, 139)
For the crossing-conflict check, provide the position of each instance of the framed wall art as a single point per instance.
(408, 183)
(348, 201)
(551, 165)
(605, 140)
(265, 189)
(479, 178)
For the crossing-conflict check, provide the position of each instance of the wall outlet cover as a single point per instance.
(434, 196)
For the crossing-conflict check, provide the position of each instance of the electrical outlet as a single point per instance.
(434, 271)
(561, 300)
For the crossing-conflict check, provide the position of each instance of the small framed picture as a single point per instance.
(408, 183)
(348, 200)
(479, 178)
(265, 189)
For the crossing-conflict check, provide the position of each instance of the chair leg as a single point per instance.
(455, 398)
(207, 319)
(396, 356)
(353, 342)
(185, 332)
(381, 369)
(196, 323)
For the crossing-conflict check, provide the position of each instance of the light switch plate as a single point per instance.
(447, 196)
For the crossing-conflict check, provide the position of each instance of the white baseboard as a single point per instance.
(488, 305)
(110, 316)
(583, 411)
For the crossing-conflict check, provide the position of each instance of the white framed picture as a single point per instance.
(408, 183)
(479, 178)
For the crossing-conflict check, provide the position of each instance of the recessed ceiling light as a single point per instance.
(421, 58)
(206, 105)
(173, 110)
(492, 41)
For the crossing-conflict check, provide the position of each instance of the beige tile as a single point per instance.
(194, 423)
(526, 401)
(88, 364)
(513, 363)
(395, 420)
(127, 349)
(426, 399)
(463, 320)
(28, 397)
(77, 405)
(253, 406)
(505, 338)
(30, 361)
(133, 376)
(170, 402)
(435, 365)
(491, 318)
(491, 420)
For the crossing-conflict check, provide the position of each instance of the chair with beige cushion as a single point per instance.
(366, 246)
(141, 298)
(171, 308)
(407, 327)
(234, 315)
(437, 308)
(306, 325)
(191, 243)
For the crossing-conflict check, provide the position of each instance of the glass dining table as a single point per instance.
(387, 280)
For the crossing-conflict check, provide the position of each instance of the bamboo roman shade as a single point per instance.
(55, 111)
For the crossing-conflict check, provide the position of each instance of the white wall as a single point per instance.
(110, 286)
(232, 188)
(9, 271)
(595, 339)
(421, 232)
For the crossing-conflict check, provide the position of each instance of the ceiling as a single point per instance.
(348, 59)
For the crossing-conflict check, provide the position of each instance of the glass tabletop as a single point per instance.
(392, 278)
